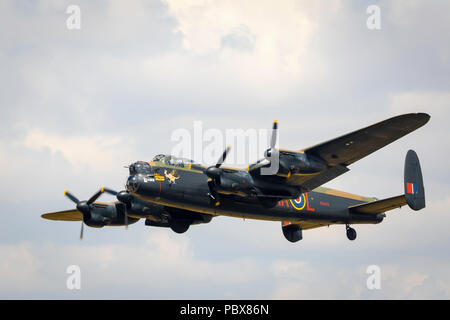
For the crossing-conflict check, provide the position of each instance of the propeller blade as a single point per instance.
(223, 157)
(81, 232)
(110, 191)
(214, 173)
(126, 220)
(95, 196)
(212, 193)
(211, 189)
(71, 196)
(273, 139)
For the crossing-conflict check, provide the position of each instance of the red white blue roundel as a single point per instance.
(299, 203)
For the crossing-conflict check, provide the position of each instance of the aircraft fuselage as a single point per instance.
(187, 189)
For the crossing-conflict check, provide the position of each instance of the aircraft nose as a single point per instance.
(143, 186)
(133, 183)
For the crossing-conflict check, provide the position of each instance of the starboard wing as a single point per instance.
(356, 145)
(347, 149)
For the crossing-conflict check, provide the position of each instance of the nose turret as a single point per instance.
(134, 182)
(143, 186)
(140, 167)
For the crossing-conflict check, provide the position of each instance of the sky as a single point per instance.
(77, 105)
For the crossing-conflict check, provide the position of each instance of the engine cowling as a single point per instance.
(235, 182)
(293, 162)
(101, 215)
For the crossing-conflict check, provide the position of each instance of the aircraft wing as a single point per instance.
(356, 145)
(347, 149)
(68, 215)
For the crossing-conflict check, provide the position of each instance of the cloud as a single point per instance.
(97, 152)
(161, 265)
(77, 106)
(164, 265)
(435, 102)
(205, 23)
(256, 48)
(302, 280)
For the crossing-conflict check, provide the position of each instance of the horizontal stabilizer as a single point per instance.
(380, 206)
(414, 195)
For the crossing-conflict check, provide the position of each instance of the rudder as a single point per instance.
(414, 188)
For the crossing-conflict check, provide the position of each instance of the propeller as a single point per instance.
(214, 173)
(84, 206)
(271, 152)
(125, 197)
(81, 232)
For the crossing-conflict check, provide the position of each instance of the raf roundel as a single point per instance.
(299, 203)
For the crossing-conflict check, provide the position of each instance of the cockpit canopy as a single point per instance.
(174, 161)
(140, 167)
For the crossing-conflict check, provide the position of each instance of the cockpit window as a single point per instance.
(158, 157)
(173, 161)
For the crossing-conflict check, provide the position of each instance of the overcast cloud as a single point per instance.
(78, 105)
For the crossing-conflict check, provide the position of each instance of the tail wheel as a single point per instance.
(179, 225)
(351, 233)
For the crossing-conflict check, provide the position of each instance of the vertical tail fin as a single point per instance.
(414, 189)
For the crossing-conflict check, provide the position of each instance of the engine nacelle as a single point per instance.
(101, 215)
(141, 209)
(237, 183)
(294, 162)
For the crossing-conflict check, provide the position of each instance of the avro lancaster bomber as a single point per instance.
(176, 193)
